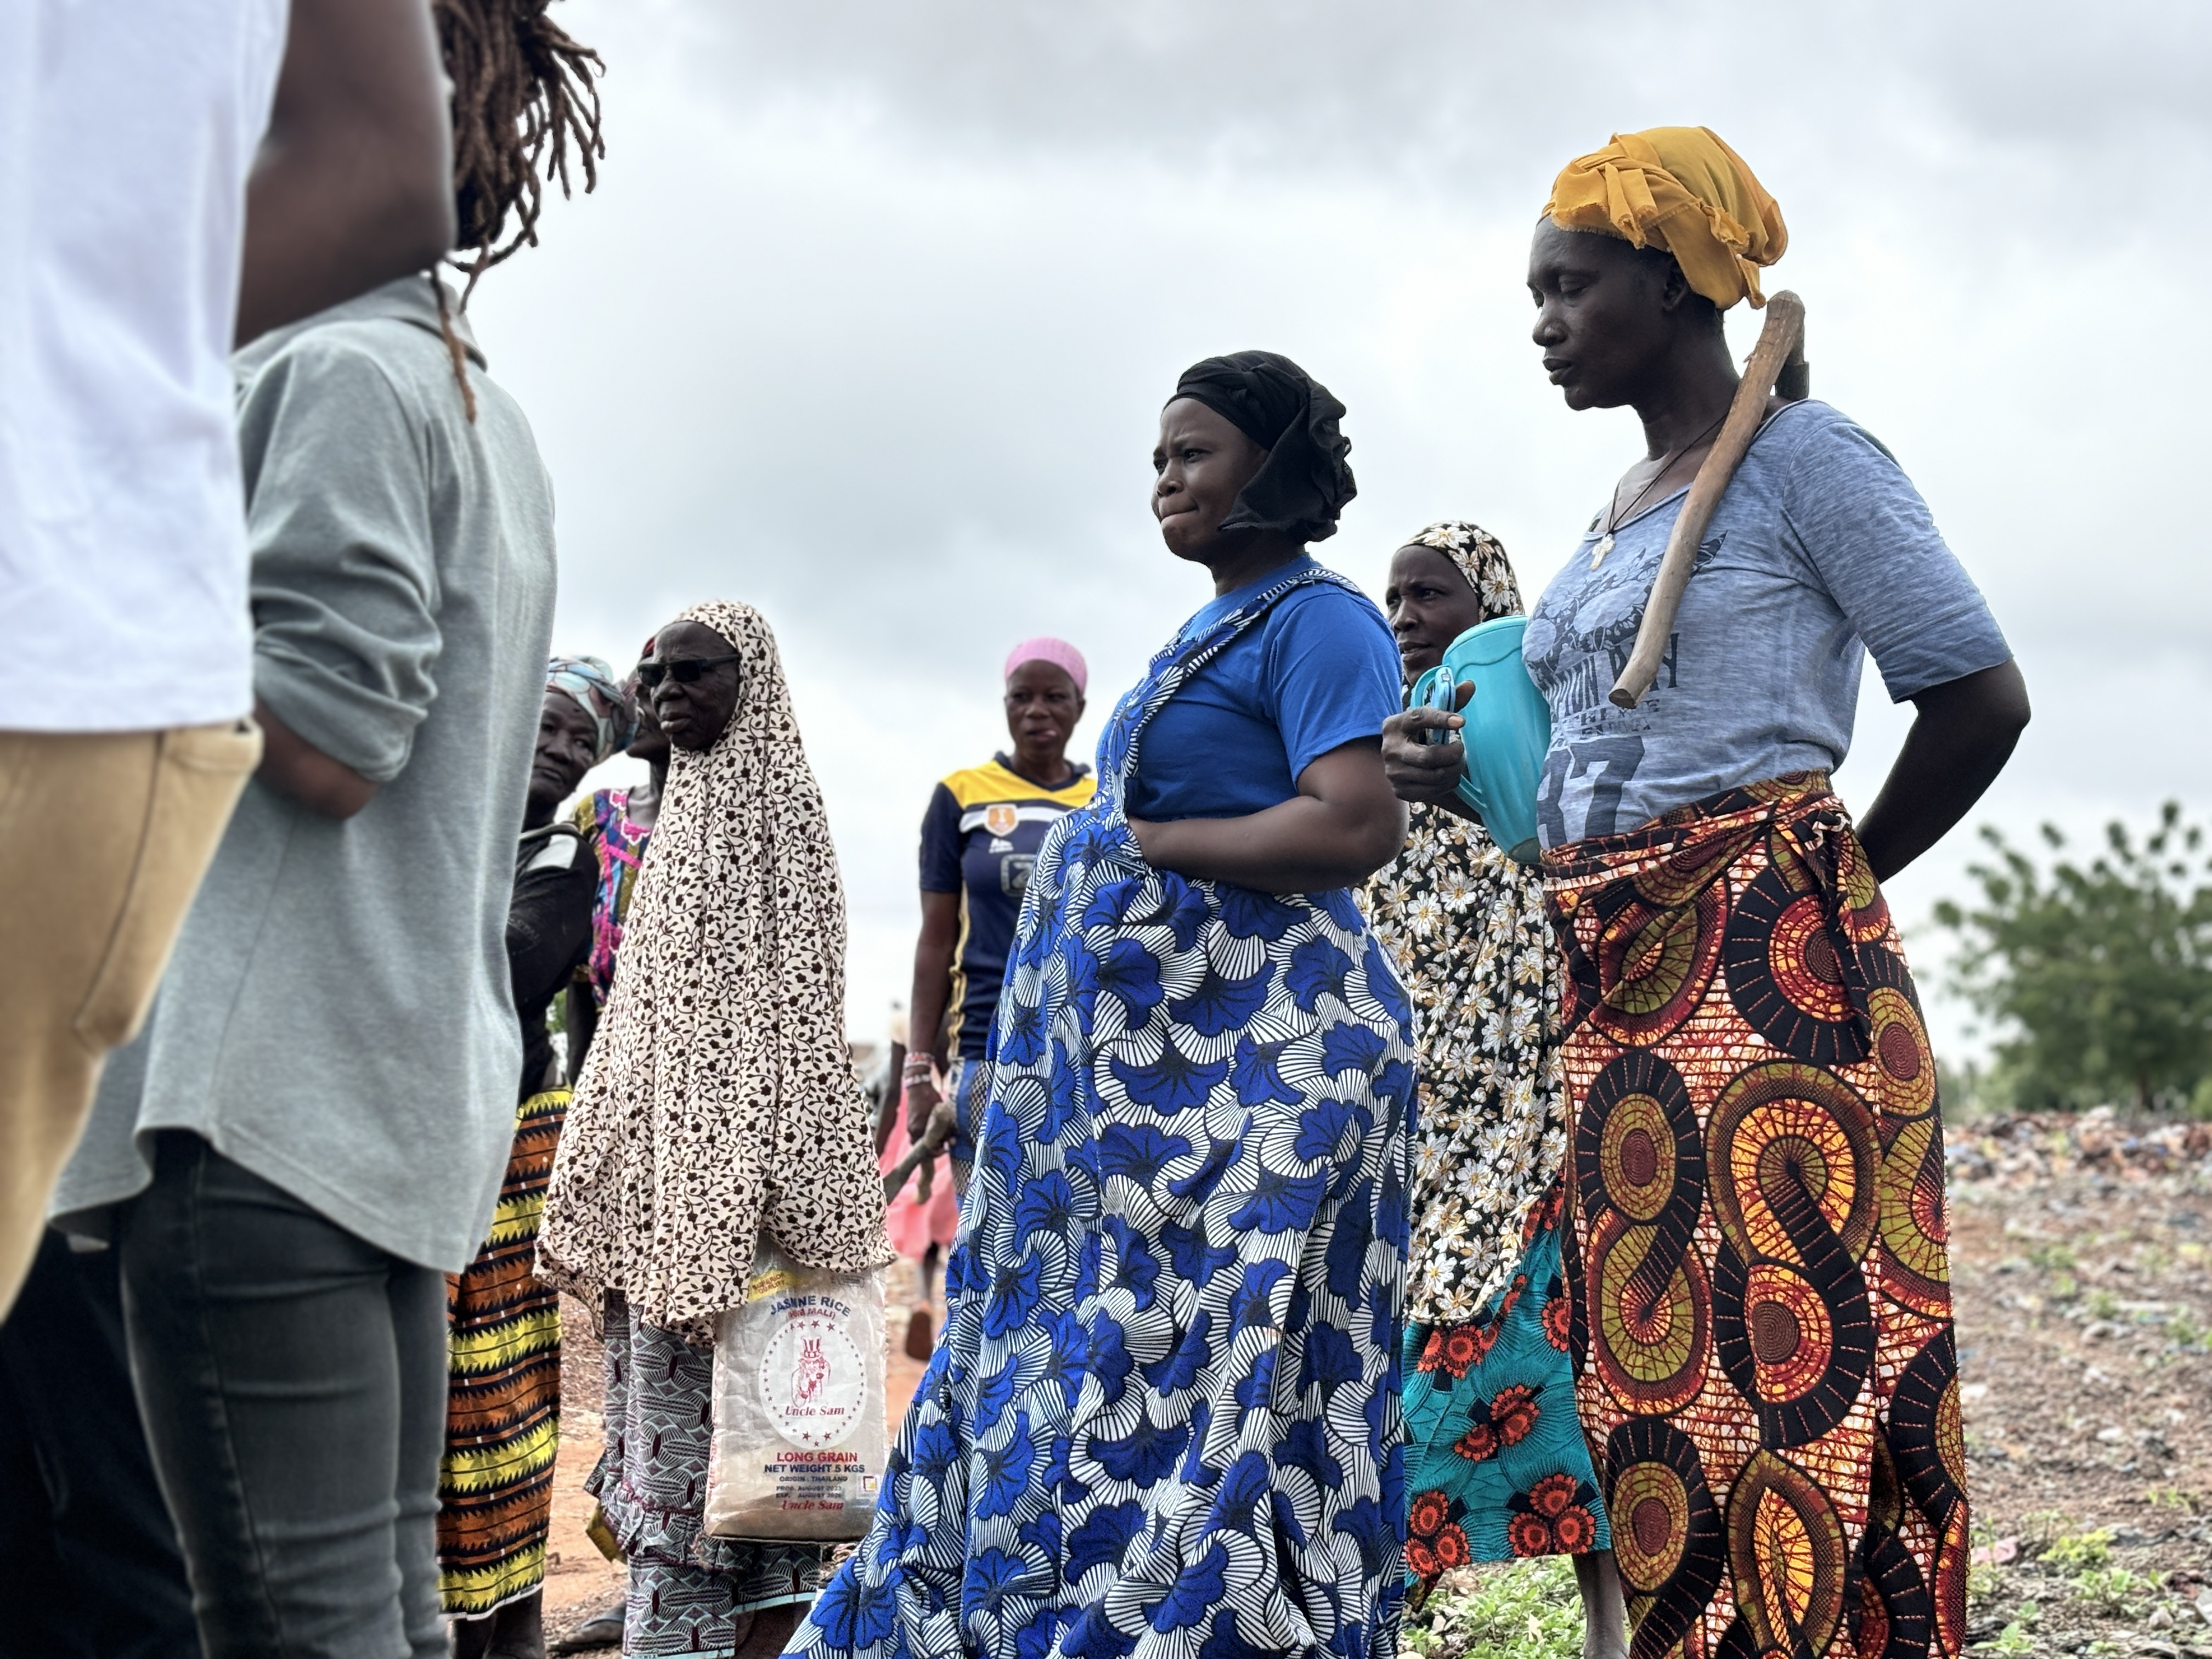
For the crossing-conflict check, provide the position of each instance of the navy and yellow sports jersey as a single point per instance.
(979, 839)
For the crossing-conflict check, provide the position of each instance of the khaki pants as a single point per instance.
(104, 837)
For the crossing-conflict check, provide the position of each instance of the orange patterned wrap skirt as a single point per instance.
(1761, 1298)
(503, 1412)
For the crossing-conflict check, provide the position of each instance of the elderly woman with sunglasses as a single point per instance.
(717, 1105)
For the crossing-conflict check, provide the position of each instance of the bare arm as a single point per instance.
(1342, 826)
(887, 1110)
(294, 767)
(933, 989)
(1961, 737)
(354, 182)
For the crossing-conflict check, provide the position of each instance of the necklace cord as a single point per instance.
(1620, 515)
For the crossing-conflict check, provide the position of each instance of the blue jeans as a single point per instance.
(970, 1092)
(293, 1381)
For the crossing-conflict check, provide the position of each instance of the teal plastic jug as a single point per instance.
(1508, 727)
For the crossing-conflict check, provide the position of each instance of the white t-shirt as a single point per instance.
(126, 132)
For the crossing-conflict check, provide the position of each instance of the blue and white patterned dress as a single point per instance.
(1163, 1420)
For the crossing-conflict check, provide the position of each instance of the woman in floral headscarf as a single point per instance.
(1496, 1465)
(503, 1410)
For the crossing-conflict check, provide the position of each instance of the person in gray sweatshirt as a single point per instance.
(328, 1095)
(328, 1087)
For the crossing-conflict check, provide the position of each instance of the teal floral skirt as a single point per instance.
(1497, 1467)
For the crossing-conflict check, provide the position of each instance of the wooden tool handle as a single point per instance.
(1780, 341)
(923, 1154)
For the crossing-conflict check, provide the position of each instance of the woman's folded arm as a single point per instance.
(1342, 826)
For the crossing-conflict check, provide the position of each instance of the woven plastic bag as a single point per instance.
(799, 1442)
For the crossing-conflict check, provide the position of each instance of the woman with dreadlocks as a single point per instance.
(329, 1097)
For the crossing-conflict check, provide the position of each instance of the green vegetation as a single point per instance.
(1984, 1579)
(2113, 1591)
(2058, 1582)
(1531, 1611)
(2184, 1332)
(2053, 1258)
(2076, 1551)
(2100, 973)
(1522, 1610)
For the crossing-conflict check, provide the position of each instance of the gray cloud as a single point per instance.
(870, 317)
(1294, 83)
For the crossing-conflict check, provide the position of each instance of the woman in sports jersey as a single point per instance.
(978, 840)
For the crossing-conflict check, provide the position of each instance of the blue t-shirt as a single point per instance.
(1821, 551)
(1317, 671)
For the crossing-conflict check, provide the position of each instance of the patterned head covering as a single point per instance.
(1681, 189)
(1480, 557)
(593, 685)
(1303, 485)
(1468, 928)
(718, 1098)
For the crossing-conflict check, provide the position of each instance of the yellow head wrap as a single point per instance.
(1681, 190)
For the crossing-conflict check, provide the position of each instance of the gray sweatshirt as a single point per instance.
(336, 1017)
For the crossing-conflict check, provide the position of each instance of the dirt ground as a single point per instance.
(2082, 1264)
(579, 1580)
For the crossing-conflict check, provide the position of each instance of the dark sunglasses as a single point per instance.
(684, 671)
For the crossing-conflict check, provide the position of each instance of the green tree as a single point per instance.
(2100, 974)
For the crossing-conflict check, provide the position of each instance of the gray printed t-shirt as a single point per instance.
(1820, 552)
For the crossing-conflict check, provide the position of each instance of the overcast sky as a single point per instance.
(870, 317)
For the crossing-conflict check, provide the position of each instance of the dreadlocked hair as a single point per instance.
(523, 88)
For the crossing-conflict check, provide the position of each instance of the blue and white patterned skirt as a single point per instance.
(1163, 1418)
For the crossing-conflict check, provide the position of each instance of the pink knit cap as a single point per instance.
(1059, 652)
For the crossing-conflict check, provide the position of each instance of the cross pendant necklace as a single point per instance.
(1618, 514)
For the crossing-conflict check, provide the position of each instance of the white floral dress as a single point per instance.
(1468, 926)
(1496, 1464)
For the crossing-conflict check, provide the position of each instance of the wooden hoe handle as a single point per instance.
(922, 1155)
(1781, 345)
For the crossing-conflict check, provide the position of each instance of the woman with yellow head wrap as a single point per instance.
(1755, 1239)
(1682, 191)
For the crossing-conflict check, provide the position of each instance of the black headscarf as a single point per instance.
(1305, 481)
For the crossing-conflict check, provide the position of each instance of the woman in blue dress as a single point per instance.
(1162, 1420)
